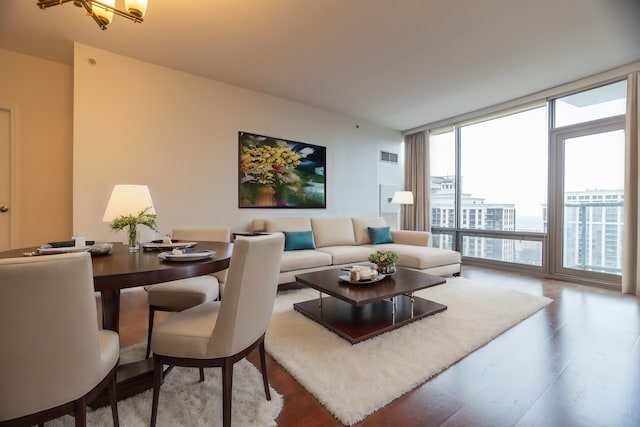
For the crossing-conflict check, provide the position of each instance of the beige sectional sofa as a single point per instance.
(344, 241)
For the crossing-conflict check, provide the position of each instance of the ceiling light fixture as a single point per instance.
(102, 12)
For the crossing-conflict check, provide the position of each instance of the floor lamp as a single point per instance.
(402, 198)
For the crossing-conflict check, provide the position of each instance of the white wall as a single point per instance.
(140, 123)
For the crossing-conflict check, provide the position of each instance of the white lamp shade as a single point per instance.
(128, 199)
(136, 7)
(105, 15)
(402, 198)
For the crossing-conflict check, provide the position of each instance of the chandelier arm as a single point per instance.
(43, 4)
(118, 12)
(87, 7)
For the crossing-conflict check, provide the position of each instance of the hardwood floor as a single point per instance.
(574, 363)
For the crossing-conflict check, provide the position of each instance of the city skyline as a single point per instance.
(592, 231)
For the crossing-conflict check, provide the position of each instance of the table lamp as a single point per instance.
(130, 206)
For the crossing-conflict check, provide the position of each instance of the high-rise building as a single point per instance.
(475, 215)
(593, 230)
(593, 227)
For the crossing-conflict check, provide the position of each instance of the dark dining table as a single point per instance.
(121, 269)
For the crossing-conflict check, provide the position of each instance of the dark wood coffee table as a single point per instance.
(357, 312)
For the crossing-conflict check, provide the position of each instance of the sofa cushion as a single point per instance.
(361, 228)
(307, 258)
(297, 240)
(421, 256)
(332, 232)
(379, 235)
(407, 237)
(287, 224)
(347, 254)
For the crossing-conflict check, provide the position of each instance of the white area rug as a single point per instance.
(353, 381)
(186, 402)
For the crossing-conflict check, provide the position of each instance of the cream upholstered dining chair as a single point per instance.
(179, 295)
(54, 358)
(220, 333)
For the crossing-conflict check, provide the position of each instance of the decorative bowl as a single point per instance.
(101, 248)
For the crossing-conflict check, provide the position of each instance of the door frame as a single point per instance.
(14, 176)
(556, 195)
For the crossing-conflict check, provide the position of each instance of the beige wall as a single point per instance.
(39, 92)
(82, 129)
(139, 123)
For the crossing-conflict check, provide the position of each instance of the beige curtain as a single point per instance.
(416, 180)
(630, 263)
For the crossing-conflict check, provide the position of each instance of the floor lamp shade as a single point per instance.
(402, 198)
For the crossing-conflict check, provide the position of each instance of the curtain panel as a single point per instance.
(417, 179)
(630, 263)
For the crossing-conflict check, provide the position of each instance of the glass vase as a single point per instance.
(387, 269)
(134, 237)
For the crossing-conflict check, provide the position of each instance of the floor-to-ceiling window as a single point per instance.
(539, 188)
(442, 155)
(503, 184)
(587, 207)
(489, 187)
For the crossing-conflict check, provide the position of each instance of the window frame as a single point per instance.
(556, 200)
(551, 237)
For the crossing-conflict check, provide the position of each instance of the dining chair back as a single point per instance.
(210, 234)
(55, 359)
(178, 295)
(220, 333)
(248, 300)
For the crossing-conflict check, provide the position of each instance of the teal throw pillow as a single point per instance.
(379, 235)
(297, 240)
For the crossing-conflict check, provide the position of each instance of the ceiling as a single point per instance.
(395, 63)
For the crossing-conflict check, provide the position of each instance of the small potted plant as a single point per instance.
(132, 222)
(385, 261)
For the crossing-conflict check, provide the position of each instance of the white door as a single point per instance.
(5, 175)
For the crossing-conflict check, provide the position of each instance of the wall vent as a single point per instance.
(388, 157)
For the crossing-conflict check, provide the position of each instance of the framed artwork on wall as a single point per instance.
(278, 173)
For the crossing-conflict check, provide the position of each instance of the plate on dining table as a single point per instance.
(158, 246)
(186, 255)
(46, 249)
